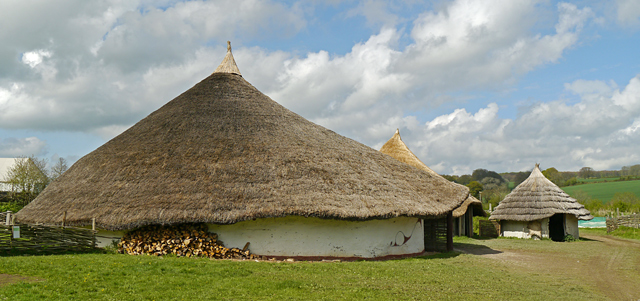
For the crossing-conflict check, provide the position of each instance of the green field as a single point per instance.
(605, 191)
(595, 180)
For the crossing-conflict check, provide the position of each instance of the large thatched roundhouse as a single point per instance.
(538, 208)
(463, 215)
(225, 154)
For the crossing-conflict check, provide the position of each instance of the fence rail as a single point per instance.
(632, 221)
(40, 238)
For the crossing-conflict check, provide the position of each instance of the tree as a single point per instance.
(480, 174)
(464, 179)
(586, 172)
(474, 188)
(59, 168)
(27, 178)
(554, 176)
(520, 177)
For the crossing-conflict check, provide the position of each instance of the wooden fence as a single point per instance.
(632, 221)
(24, 238)
(435, 234)
(488, 228)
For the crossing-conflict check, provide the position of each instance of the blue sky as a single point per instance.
(469, 83)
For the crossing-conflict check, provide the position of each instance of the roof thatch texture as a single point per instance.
(473, 202)
(537, 198)
(223, 152)
(228, 64)
(397, 149)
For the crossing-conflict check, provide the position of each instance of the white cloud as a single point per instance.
(628, 12)
(16, 147)
(599, 132)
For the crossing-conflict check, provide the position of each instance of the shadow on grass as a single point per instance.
(443, 255)
(474, 249)
(15, 252)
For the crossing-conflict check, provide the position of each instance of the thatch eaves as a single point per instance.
(473, 202)
(222, 152)
(537, 198)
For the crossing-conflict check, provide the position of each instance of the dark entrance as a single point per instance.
(556, 227)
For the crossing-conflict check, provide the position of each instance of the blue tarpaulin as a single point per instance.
(596, 222)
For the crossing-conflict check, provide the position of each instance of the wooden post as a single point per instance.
(8, 218)
(93, 227)
(64, 218)
(450, 231)
(470, 222)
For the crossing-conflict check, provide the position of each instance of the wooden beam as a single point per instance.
(450, 231)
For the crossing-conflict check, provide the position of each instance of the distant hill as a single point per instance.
(604, 191)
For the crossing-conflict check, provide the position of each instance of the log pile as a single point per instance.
(186, 240)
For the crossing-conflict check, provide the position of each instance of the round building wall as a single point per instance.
(311, 237)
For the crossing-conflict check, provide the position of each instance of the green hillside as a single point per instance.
(605, 191)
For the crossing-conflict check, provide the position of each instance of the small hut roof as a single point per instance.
(223, 152)
(473, 202)
(537, 198)
(397, 149)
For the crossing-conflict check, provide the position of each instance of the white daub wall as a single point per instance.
(521, 229)
(297, 236)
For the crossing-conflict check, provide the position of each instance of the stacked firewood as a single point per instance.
(182, 240)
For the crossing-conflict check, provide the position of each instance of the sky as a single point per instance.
(499, 85)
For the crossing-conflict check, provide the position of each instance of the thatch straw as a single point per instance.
(222, 152)
(473, 202)
(398, 150)
(228, 64)
(537, 198)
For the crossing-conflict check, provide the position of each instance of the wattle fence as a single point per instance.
(632, 221)
(24, 238)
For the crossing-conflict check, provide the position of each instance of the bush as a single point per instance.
(13, 207)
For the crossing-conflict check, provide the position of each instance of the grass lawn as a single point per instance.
(624, 232)
(449, 276)
(605, 191)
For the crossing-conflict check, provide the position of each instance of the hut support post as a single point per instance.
(450, 231)
(8, 218)
(470, 222)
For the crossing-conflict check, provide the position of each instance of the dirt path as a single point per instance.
(609, 265)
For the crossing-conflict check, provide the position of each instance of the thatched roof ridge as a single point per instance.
(470, 201)
(397, 149)
(228, 64)
(223, 152)
(537, 198)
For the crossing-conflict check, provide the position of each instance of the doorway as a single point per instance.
(556, 227)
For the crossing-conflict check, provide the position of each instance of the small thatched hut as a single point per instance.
(539, 208)
(463, 215)
(225, 154)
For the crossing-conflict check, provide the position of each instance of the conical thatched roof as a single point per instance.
(228, 64)
(537, 198)
(222, 152)
(397, 149)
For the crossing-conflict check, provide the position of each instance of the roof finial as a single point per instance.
(228, 64)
